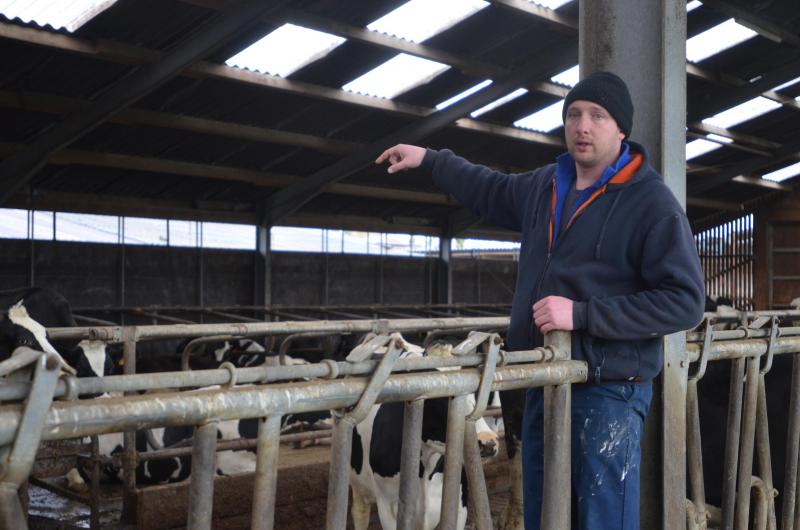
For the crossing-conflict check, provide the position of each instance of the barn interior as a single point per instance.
(202, 161)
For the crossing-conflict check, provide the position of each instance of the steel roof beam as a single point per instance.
(744, 91)
(789, 151)
(261, 179)
(289, 200)
(761, 26)
(38, 102)
(120, 53)
(16, 171)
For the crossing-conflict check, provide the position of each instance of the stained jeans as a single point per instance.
(607, 422)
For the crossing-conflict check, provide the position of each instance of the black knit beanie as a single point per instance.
(608, 91)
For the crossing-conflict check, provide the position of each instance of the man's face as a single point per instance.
(593, 136)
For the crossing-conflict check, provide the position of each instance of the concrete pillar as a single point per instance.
(443, 276)
(645, 44)
(263, 267)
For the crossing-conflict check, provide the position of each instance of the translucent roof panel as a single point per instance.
(699, 147)
(717, 39)
(787, 84)
(552, 4)
(285, 50)
(719, 139)
(69, 15)
(544, 120)
(742, 112)
(418, 20)
(397, 75)
(468, 92)
(569, 77)
(694, 4)
(498, 102)
(784, 173)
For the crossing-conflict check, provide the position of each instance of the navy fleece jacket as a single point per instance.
(627, 260)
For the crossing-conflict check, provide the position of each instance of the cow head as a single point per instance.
(90, 359)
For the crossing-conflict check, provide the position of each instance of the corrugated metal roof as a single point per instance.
(215, 133)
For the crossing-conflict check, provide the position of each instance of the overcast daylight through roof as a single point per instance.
(233, 208)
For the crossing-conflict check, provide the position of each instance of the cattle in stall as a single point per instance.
(242, 353)
(24, 315)
(375, 460)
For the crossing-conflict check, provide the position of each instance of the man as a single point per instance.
(607, 253)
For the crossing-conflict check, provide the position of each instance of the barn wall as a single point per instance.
(777, 242)
(91, 274)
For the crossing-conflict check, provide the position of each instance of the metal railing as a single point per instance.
(751, 349)
(270, 393)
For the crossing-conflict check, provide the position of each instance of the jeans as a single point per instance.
(607, 422)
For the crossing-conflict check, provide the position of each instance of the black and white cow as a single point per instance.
(242, 353)
(24, 316)
(375, 462)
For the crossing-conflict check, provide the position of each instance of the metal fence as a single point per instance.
(727, 257)
(30, 414)
(263, 392)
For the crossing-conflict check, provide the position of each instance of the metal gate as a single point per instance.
(727, 257)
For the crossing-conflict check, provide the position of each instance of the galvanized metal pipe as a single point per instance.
(790, 489)
(16, 463)
(747, 438)
(736, 349)
(179, 331)
(736, 334)
(100, 416)
(339, 475)
(763, 451)
(453, 460)
(94, 491)
(135, 383)
(478, 494)
(557, 471)
(695, 454)
(409, 465)
(128, 438)
(11, 514)
(762, 495)
(732, 444)
(201, 487)
(266, 479)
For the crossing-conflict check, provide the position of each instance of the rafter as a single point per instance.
(15, 172)
(749, 167)
(131, 55)
(761, 26)
(289, 200)
(261, 179)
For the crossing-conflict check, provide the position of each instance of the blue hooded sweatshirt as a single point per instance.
(627, 258)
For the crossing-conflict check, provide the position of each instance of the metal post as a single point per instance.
(746, 455)
(129, 438)
(94, 492)
(443, 285)
(732, 444)
(790, 488)
(339, 481)
(409, 465)
(266, 480)
(695, 455)
(762, 448)
(557, 425)
(453, 459)
(201, 488)
(479, 497)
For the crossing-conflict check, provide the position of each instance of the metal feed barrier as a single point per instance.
(350, 388)
(750, 348)
(32, 382)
